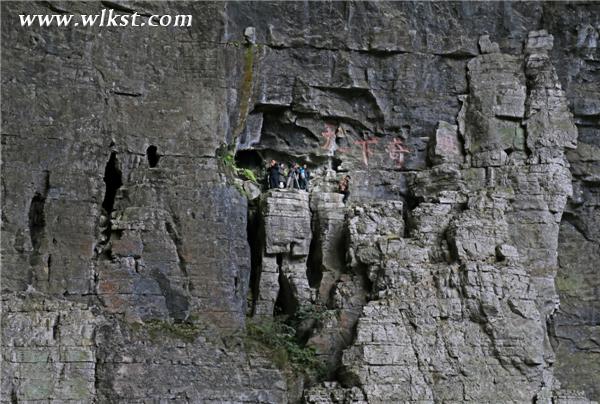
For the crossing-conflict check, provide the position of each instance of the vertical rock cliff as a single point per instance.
(143, 258)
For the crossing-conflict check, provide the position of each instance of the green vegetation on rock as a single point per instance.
(227, 160)
(280, 341)
(186, 332)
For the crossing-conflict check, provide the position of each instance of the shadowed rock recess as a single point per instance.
(144, 260)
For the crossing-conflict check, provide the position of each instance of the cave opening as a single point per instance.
(314, 272)
(285, 303)
(37, 220)
(113, 181)
(248, 159)
(152, 155)
(37, 224)
(253, 235)
(253, 167)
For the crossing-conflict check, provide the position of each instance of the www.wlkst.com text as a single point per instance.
(107, 18)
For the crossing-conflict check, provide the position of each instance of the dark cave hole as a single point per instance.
(152, 155)
(248, 159)
(285, 302)
(113, 181)
(55, 328)
(335, 163)
(37, 220)
(253, 234)
(252, 160)
(314, 273)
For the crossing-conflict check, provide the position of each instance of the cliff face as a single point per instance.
(136, 267)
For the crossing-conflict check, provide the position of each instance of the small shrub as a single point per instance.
(315, 312)
(184, 331)
(230, 166)
(280, 340)
(248, 174)
(229, 161)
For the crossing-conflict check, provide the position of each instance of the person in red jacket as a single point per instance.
(344, 187)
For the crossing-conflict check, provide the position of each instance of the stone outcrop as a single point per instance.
(48, 350)
(286, 236)
(65, 352)
(328, 246)
(199, 365)
(476, 273)
(575, 325)
(462, 267)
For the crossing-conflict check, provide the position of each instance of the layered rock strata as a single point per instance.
(126, 268)
(472, 286)
(286, 241)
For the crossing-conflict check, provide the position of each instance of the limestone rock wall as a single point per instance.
(576, 323)
(48, 350)
(286, 240)
(91, 213)
(469, 288)
(114, 197)
(462, 268)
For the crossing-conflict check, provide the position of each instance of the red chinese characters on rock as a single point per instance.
(396, 151)
(366, 151)
(395, 148)
(447, 144)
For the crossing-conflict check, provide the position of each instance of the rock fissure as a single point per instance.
(113, 181)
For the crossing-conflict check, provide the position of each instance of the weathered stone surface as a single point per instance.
(549, 121)
(117, 206)
(491, 261)
(64, 352)
(539, 42)
(268, 288)
(88, 177)
(162, 361)
(396, 356)
(487, 46)
(287, 222)
(332, 392)
(446, 146)
(575, 323)
(285, 241)
(496, 98)
(48, 349)
(328, 248)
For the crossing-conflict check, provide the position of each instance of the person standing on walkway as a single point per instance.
(292, 181)
(273, 171)
(344, 187)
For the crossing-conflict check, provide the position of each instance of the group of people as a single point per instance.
(296, 176)
(292, 176)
